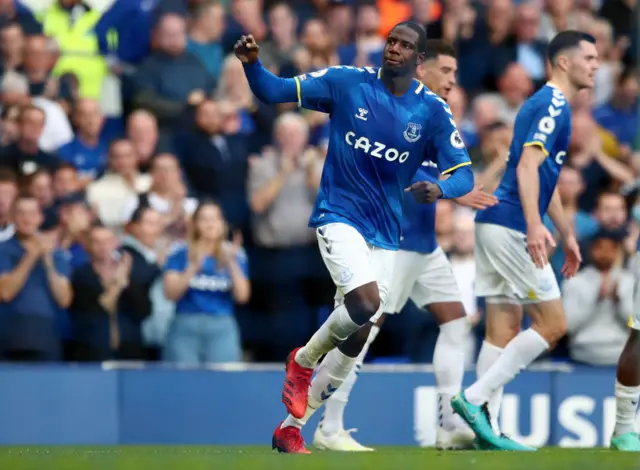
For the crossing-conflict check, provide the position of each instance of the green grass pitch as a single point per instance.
(257, 458)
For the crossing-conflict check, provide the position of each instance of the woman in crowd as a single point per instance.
(205, 279)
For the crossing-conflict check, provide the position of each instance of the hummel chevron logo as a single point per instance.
(326, 395)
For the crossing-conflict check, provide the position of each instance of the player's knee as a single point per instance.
(362, 305)
(354, 344)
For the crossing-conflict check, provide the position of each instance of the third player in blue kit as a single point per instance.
(512, 268)
(384, 124)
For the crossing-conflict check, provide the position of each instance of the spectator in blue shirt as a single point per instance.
(204, 36)
(88, 151)
(620, 115)
(205, 279)
(33, 288)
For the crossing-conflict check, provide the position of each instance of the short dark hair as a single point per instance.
(422, 33)
(437, 47)
(566, 40)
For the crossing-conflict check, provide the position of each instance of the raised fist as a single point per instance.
(246, 49)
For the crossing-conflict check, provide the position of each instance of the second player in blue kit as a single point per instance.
(384, 125)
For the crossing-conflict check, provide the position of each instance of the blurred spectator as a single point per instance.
(171, 76)
(75, 220)
(167, 196)
(205, 279)
(283, 185)
(39, 59)
(12, 11)
(56, 129)
(457, 102)
(530, 52)
(8, 193)
(205, 33)
(484, 112)
(246, 17)
(514, 88)
(109, 194)
(33, 288)
(319, 50)
(494, 144)
(256, 118)
(111, 300)
(87, 152)
(558, 16)
(609, 58)
(214, 162)
(65, 181)
(598, 302)
(142, 131)
(368, 45)
(278, 50)
(456, 22)
(620, 13)
(143, 241)
(570, 187)
(72, 24)
(339, 15)
(481, 57)
(39, 186)
(620, 115)
(464, 270)
(9, 130)
(599, 171)
(11, 46)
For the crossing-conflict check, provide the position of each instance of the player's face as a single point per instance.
(400, 52)
(440, 75)
(583, 64)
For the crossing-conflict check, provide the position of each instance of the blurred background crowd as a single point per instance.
(152, 208)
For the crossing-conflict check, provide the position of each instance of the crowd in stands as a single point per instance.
(151, 208)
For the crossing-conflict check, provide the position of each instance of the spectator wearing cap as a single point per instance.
(56, 129)
(171, 76)
(33, 288)
(598, 303)
(88, 151)
(143, 241)
(109, 194)
(110, 304)
(8, 193)
(12, 11)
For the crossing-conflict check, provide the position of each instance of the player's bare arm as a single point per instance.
(573, 258)
(529, 187)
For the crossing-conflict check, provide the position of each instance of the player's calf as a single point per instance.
(549, 320)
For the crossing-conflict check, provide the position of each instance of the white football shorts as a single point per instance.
(353, 262)
(504, 268)
(634, 267)
(424, 278)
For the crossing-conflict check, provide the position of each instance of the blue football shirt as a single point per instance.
(209, 291)
(419, 220)
(89, 161)
(544, 121)
(377, 142)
